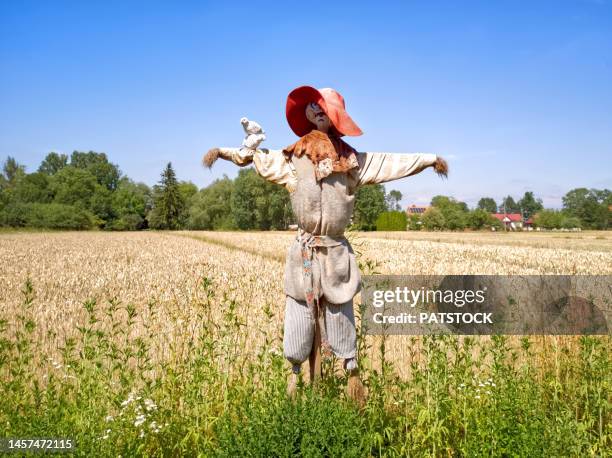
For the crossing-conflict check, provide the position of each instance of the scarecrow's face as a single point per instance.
(316, 115)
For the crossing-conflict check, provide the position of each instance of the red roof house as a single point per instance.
(416, 209)
(512, 221)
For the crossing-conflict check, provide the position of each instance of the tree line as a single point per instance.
(582, 208)
(86, 191)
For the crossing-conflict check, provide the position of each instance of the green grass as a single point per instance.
(107, 394)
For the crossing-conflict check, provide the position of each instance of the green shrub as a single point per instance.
(556, 219)
(391, 221)
(480, 219)
(414, 223)
(130, 222)
(433, 219)
(312, 426)
(47, 216)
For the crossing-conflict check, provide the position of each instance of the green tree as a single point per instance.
(168, 203)
(53, 163)
(529, 204)
(591, 206)
(12, 171)
(446, 202)
(549, 219)
(33, 187)
(247, 196)
(455, 213)
(433, 219)
(393, 200)
(78, 187)
(369, 203)
(455, 218)
(259, 204)
(508, 205)
(488, 204)
(106, 173)
(73, 186)
(211, 207)
(187, 190)
(130, 204)
(480, 219)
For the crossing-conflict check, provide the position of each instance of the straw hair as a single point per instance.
(209, 158)
(441, 167)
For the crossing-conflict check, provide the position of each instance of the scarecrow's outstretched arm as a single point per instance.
(383, 167)
(271, 165)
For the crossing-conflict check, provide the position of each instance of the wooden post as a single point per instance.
(314, 360)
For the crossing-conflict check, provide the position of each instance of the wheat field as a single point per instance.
(159, 273)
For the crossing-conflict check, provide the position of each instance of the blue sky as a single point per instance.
(517, 95)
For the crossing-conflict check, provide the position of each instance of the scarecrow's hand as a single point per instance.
(441, 167)
(239, 156)
(252, 141)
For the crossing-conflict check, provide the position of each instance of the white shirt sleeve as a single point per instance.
(272, 165)
(383, 167)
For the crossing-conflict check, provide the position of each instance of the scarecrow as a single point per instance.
(322, 173)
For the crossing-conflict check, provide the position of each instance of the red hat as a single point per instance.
(330, 101)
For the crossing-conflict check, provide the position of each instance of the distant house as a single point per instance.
(513, 221)
(416, 209)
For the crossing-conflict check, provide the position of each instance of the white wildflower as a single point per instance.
(140, 419)
(150, 405)
(109, 418)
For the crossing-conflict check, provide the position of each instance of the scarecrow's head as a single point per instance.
(321, 109)
(316, 115)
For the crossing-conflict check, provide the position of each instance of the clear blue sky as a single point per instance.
(516, 95)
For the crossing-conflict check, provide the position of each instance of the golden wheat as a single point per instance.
(161, 275)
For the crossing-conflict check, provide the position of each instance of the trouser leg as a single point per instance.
(341, 333)
(298, 335)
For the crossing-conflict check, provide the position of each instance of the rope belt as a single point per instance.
(308, 245)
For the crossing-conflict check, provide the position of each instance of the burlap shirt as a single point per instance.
(324, 208)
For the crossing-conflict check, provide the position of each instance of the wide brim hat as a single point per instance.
(330, 101)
